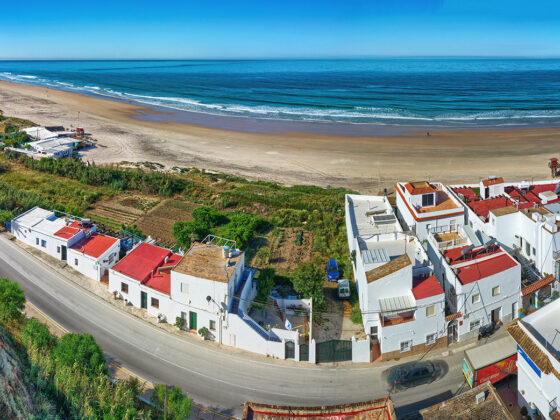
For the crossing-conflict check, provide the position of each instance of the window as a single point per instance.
(213, 325)
(527, 248)
(427, 200)
(58, 250)
(495, 291)
(184, 315)
(405, 346)
(155, 303)
(43, 243)
(534, 251)
(36, 241)
(184, 288)
(430, 311)
(75, 261)
(373, 332)
(124, 287)
(475, 325)
(476, 298)
(431, 339)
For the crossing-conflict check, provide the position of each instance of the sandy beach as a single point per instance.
(363, 164)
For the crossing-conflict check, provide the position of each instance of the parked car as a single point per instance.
(344, 289)
(332, 270)
(413, 374)
(486, 330)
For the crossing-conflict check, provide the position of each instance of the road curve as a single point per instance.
(217, 378)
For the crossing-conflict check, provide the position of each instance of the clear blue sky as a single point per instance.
(123, 29)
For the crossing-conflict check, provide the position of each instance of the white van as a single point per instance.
(343, 289)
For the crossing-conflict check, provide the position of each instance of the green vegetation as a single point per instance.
(265, 284)
(240, 227)
(177, 406)
(69, 375)
(12, 302)
(308, 279)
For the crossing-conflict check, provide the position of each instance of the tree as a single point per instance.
(308, 279)
(80, 349)
(37, 335)
(12, 302)
(178, 406)
(265, 284)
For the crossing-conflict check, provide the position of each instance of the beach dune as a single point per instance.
(364, 164)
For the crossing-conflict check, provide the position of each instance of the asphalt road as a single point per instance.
(217, 378)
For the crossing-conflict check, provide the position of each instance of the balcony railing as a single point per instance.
(553, 408)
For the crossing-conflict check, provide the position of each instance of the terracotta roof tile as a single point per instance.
(390, 267)
(537, 285)
(488, 182)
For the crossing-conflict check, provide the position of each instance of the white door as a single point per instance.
(514, 313)
(232, 340)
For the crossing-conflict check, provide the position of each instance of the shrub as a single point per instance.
(299, 238)
(265, 284)
(308, 279)
(177, 405)
(356, 314)
(37, 335)
(205, 333)
(80, 349)
(12, 302)
(180, 323)
(289, 217)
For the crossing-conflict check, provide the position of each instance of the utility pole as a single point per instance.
(165, 405)
(311, 321)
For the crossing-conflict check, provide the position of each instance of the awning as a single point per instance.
(397, 305)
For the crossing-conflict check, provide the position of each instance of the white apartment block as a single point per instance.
(402, 302)
(424, 207)
(482, 282)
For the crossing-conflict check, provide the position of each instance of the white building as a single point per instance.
(53, 235)
(143, 278)
(523, 217)
(538, 361)
(482, 282)
(94, 254)
(425, 207)
(402, 303)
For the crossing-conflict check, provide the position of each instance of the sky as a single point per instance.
(183, 29)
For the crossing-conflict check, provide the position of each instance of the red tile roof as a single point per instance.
(537, 285)
(488, 182)
(466, 192)
(425, 288)
(456, 256)
(486, 268)
(69, 231)
(144, 260)
(483, 207)
(421, 187)
(95, 245)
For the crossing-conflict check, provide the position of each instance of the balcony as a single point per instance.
(553, 408)
(389, 322)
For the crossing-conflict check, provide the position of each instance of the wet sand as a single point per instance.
(366, 164)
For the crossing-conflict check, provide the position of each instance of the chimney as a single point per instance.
(227, 262)
(166, 260)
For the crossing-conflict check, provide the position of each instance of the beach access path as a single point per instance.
(363, 164)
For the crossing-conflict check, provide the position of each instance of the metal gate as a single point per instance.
(304, 352)
(290, 349)
(334, 351)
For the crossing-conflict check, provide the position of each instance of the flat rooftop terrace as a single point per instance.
(206, 261)
(371, 215)
(444, 202)
(545, 326)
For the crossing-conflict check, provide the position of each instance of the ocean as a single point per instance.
(431, 92)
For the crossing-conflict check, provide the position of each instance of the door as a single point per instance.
(192, 321)
(143, 300)
(291, 349)
(452, 333)
(514, 311)
(63, 253)
(496, 315)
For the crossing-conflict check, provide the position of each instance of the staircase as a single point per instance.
(236, 298)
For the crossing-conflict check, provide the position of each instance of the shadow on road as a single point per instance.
(411, 411)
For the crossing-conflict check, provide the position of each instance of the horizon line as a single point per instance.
(355, 57)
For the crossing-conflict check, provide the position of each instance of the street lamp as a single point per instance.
(221, 310)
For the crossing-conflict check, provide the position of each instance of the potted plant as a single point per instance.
(161, 318)
(521, 313)
(554, 294)
(180, 323)
(205, 333)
